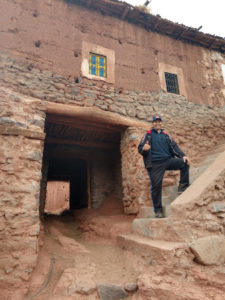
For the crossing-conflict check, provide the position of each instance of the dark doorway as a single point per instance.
(75, 171)
(85, 154)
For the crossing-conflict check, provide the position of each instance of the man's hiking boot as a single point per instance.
(182, 187)
(159, 214)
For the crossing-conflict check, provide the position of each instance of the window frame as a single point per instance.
(97, 64)
(162, 68)
(172, 83)
(110, 62)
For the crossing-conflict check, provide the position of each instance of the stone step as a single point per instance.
(156, 229)
(148, 212)
(152, 251)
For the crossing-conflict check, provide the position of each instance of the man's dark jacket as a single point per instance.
(147, 156)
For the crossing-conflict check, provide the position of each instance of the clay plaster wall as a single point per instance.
(50, 34)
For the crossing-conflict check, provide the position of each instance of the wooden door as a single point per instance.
(57, 197)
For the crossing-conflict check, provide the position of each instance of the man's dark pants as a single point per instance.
(156, 173)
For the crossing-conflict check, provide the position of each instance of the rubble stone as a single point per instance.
(111, 292)
(209, 250)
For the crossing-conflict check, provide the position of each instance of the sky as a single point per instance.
(210, 14)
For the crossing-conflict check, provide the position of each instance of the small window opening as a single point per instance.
(172, 83)
(97, 65)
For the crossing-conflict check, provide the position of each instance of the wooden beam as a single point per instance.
(93, 114)
(180, 33)
(211, 44)
(222, 47)
(82, 143)
(7, 130)
(125, 12)
(89, 3)
(89, 183)
(81, 124)
(154, 25)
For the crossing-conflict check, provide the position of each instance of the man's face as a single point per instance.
(157, 125)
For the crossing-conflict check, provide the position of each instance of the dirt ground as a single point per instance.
(82, 240)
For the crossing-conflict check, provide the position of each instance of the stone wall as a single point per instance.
(135, 184)
(50, 33)
(103, 177)
(24, 94)
(21, 150)
(185, 121)
(203, 215)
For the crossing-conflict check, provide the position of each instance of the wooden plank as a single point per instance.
(57, 197)
(89, 183)
(82, 124)
(211, 44)
(7, 130)
(125, 12)
(93, 114)
(82, 143)
(89, 3)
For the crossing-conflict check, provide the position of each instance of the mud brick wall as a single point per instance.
(49, 34)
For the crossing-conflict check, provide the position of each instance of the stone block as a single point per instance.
(111, 292)
(209, 250)
(131, 287)
(217, 207)
(74, 281)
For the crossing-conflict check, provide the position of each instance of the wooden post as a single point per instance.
(89, 183)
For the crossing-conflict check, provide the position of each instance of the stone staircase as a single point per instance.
(152, 251)
(157, 239)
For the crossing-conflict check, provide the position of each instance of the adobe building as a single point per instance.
(80, 81)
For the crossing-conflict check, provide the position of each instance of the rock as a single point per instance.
(111, 292)
(89, 102)
(6, 120)
(35, 155)
(209, 250)
(76, 281)
(131, 112)
(121, 100)
(37, 94)
(131, 287)
(59, 86)
(217, 207)
(213, 226)
(39, 123)
(141, 114)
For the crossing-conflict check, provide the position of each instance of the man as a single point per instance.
(161, 153)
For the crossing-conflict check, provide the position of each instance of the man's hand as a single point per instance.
(146, 147)
(186, 160)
